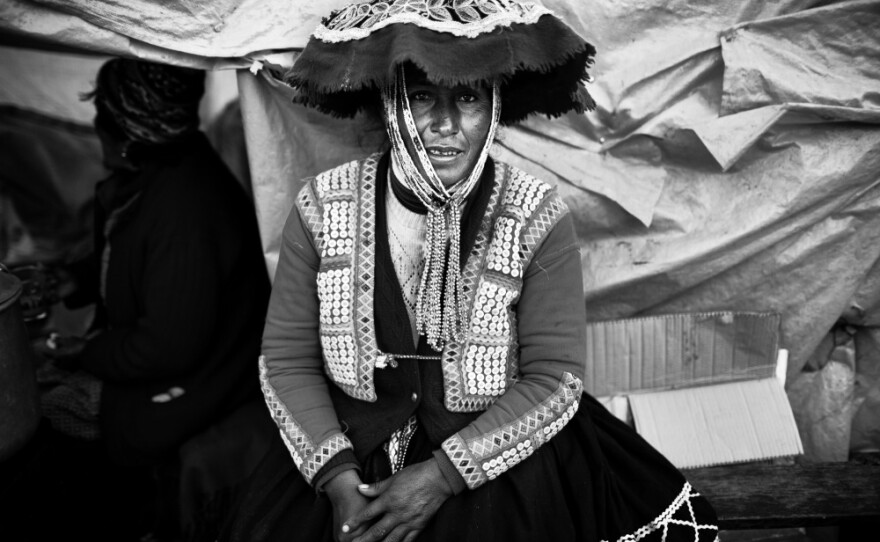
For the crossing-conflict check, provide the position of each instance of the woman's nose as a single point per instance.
(445, 118)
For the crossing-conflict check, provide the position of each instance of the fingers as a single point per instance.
(172, 393)
(384, 531)
(364, 517)
(376, 533)
(350, 535)
(401, 505)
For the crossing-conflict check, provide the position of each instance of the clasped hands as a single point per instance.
(392, 510)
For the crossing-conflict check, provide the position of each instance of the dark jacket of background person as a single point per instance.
(152, 418)
(184, 301)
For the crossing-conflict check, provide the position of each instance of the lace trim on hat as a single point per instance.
(463, 18)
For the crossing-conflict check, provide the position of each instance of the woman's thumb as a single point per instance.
(373, 490)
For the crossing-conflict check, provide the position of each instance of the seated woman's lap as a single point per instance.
(595, 480)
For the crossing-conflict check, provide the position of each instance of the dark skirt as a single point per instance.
(597, 480)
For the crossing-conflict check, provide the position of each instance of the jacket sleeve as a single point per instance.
(291, 366)
(551, 320)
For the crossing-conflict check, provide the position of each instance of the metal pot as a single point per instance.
(19, 399)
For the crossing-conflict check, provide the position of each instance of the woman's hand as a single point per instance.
(347, 502)
(63, 350)
(403, 504)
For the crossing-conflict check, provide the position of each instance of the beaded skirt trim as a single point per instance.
(484, 458)
(308, 457)
(679, 518)
(481, 368)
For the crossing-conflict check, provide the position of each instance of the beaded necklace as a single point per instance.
(440, 307)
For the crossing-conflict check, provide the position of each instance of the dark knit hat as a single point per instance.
(150, 102)
(540, 61)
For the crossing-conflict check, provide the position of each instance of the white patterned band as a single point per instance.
(308, 456)
(439, 310)
(679, 521)
(464, 18)
(486, 457)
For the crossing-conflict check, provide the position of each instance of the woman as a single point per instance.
(180, 288)
(424, 345)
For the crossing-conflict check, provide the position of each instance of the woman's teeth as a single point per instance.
(436, 152)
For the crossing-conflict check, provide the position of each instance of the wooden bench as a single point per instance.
(762, 496)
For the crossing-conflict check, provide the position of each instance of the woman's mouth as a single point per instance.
(443, 153)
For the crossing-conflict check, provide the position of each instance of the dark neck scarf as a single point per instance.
(393, 328)
(411, 202)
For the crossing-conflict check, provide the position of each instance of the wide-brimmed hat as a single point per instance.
(539, 61)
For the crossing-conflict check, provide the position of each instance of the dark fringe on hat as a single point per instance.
(542, 67)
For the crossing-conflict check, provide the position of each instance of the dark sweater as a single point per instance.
(186, 294)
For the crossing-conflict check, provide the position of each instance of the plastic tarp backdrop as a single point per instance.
(733, 162)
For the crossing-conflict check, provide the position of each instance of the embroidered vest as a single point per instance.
(339, 208)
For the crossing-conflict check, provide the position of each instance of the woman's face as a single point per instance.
(112, 143)
(111, 149)
(452, 122)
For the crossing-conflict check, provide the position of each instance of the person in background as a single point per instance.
(180, 289)
(423, 356)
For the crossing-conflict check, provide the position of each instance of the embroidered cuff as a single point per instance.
(308, 456)
(487, 456)
(343, 461)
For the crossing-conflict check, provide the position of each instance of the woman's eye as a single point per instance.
(419, 96)
(467, 98)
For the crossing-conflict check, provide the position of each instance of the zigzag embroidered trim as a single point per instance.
(668, 519)
(335, 188)
(457, 398)
(488, 456)
(307, 457)
(311, 214)
(475, 378)
(463, 18)
(364, 328)
(345, 277)
(541, 224)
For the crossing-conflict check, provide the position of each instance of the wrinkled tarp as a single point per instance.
(219, 33)
(733, 161)
(50, 84)
(53, 83)
(48, 171)
(694, 187)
